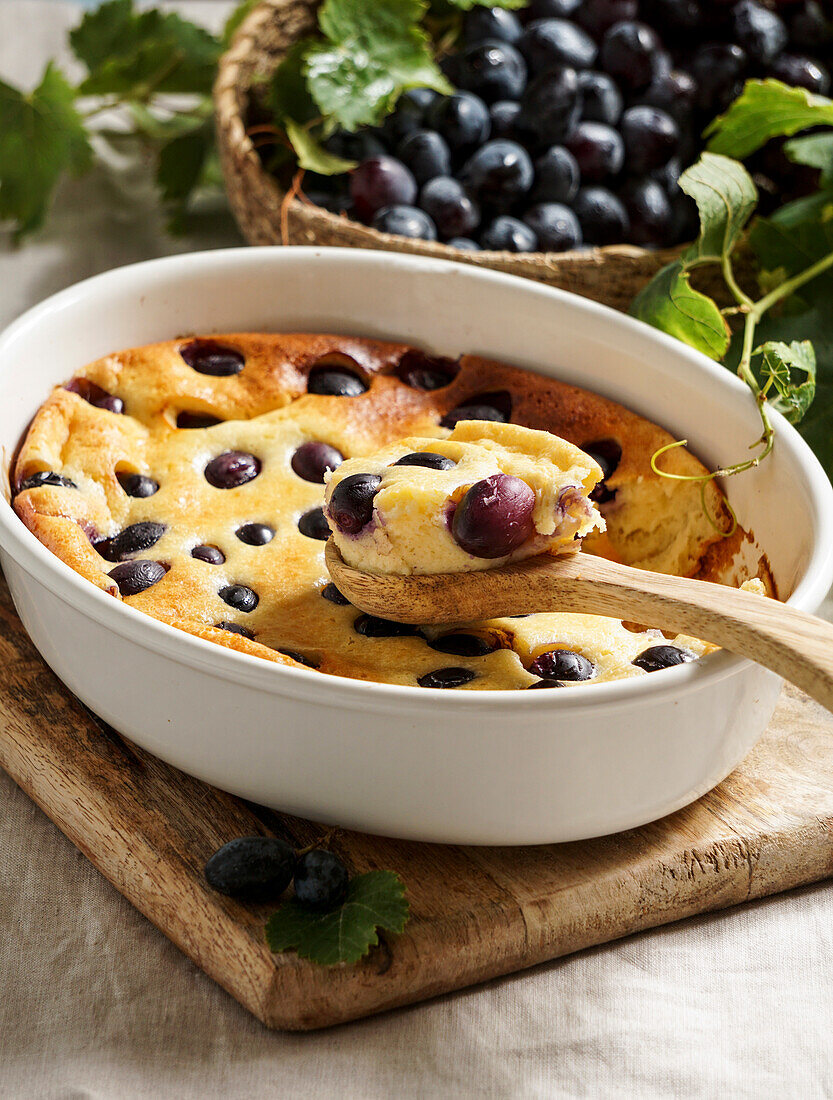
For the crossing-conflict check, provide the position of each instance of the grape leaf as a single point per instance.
(791, 240)
(815, 150)
(370, 54)
(182, 162)
(787, 243)
(312, 155)
(778, 362)
(289, 95)
(41, 137)
(135, 54)
(725, 197)
(764, 110)
(671, 304)
(375, 900)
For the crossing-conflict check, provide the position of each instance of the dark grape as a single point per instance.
(718, 70)
(255, 868)
(555, 226)
(463, 645)
(359, 146)
(499, 173)
(661, 656)
(562, 664)
(209, 357)
(494, 517)
(405, 221)
(673, 91)
(132, 540)
(47, 477)
(597, 16)
(313, 525)
(504, 115)
(330, 381)
(236, 628)
(601, 98)
(446, 678)
(556, 176)
(628, 53)
(463, 243)
(240, 597)
(429, 459)
(546, 43)
(810, 29)
(321, 880)
(95, 395)
(496, 407)
(492, 70)
(133, 577)
(379, 182)
(426, 154)
(232, 469)
(549, 9)
(332, 594)
(649, 212)
(482, 23)
(426, 372)
(551, 105)
(371, 626)
(255, 534)
(508, 234)
(351, 502)
(138, 485)
(602, 217)
(759, 31)
(449, 206)
(462, 120)
(676, 19)
(211, 555)
(802, 72)
(651, 138)
(313, 459)
(598, 149)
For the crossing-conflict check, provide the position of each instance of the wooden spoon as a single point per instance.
(792, 643)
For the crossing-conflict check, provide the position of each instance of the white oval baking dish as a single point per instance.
(462, 767)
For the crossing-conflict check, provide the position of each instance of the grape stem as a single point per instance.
(752, 311)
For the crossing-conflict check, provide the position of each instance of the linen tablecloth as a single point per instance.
(94, 1002)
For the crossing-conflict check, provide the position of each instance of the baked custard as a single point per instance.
(187, 478)
(489, 494)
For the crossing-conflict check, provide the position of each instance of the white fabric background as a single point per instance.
(95, 1003)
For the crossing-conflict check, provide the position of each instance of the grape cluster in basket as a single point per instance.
(572, 121)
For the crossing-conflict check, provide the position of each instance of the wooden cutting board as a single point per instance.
(476, 912)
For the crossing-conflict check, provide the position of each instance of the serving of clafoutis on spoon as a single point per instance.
(488, 522)
(792, 643)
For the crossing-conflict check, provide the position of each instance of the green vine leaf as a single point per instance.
(671, 304)
(374, 900)
(816, 151)
(370, 54)
(41, 137)
(137, 54)
(312, 155)
(726, 198)
(764, 110)
(289, 96)
(778, 362)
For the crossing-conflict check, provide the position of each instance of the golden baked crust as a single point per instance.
(265, 410)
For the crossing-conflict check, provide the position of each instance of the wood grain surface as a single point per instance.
(477, 912)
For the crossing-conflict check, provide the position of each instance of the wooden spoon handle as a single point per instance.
(792, 643)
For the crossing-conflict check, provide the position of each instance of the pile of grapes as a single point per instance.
(572, 122)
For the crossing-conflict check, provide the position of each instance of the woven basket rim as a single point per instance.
(231, 97)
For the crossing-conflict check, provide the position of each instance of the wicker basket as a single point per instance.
(611, 275)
